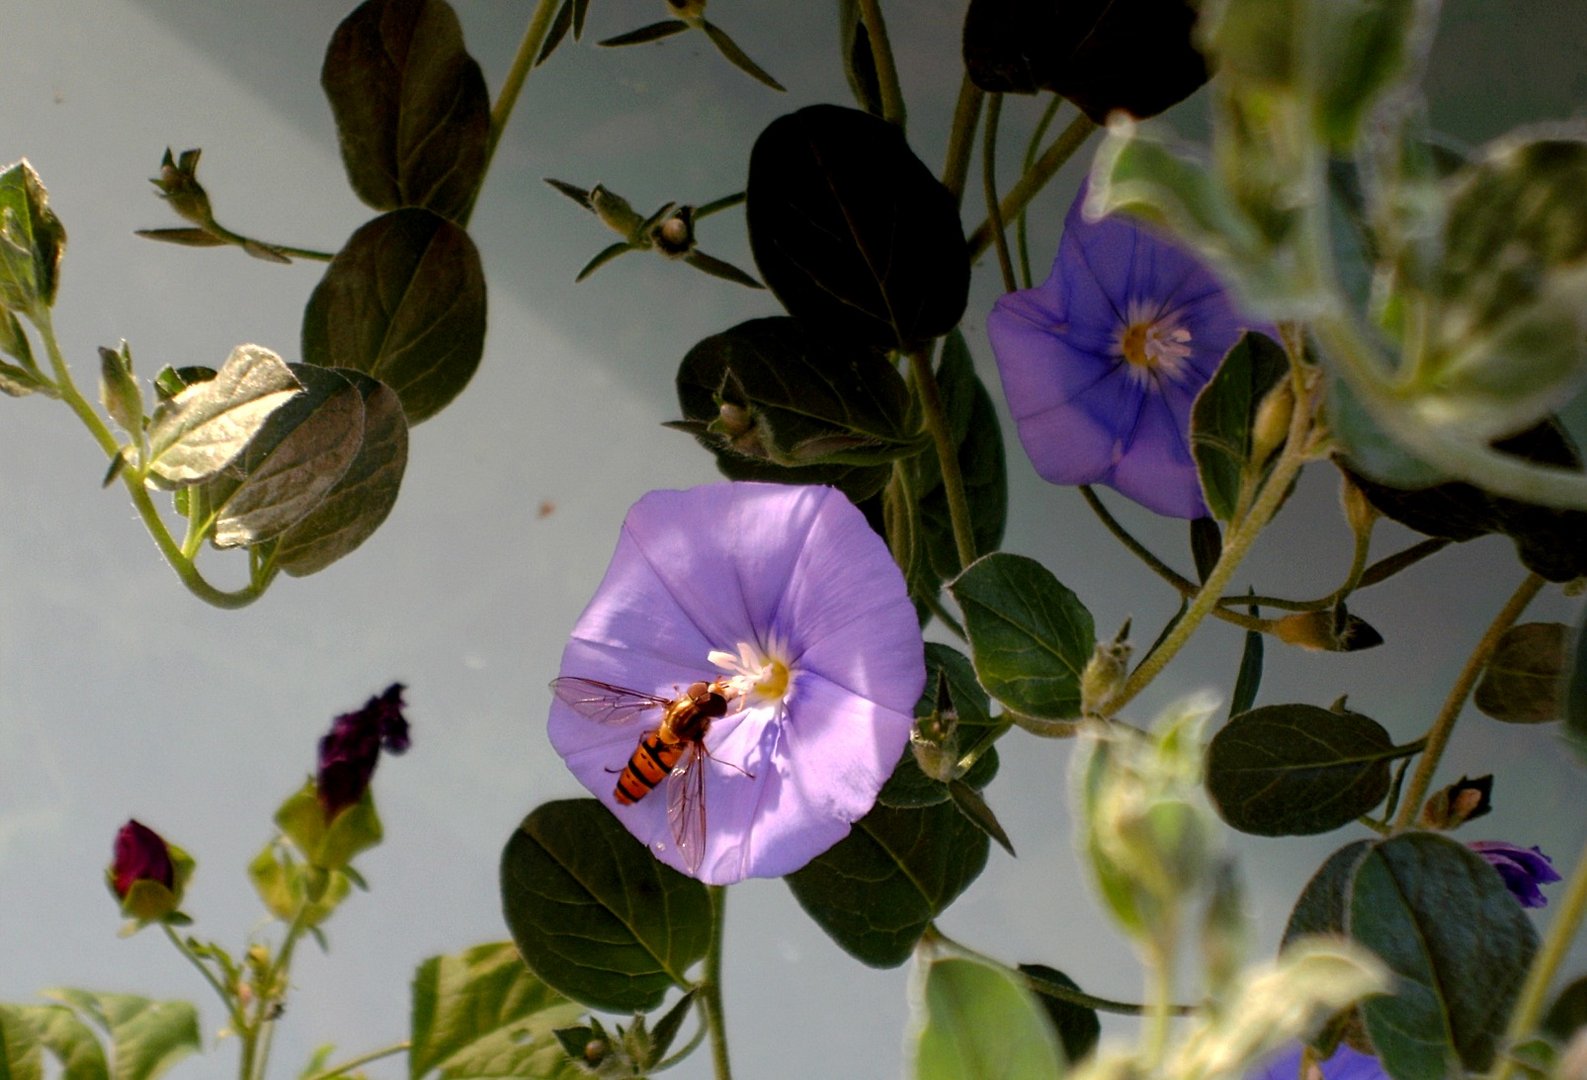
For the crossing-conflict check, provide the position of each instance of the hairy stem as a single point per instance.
(994, 110)
(711, 985)
(1444, 722)
(534, 37)
(961, 137)
(936, 421)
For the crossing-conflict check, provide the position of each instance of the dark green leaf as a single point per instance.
(412, 112)
(1078, 1027)
(859, 62)
(1443, 921)
(1249, 678)
(594, 914)
(1206, 545)
(667, 1028)
(654, 32)
(146, 1037)
(1568, 1014)
(559, 29)
(983, 466)
(404, 301)
(1576, 693)
(976, 1020)
(357, 504)
(853, 232)
(1221, 419)
(973, 806)
(774, 402)
(736, 56)
(1524, 680)
(1030, 637)
(71, 1041)
(297, 456)
(32, 240)
(1324, 904)
(876, 890)
(1295, 770)
(482, 1014)
(194, 434)
(1134, 55)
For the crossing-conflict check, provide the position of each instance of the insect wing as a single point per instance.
(686, 806)
(603, 702)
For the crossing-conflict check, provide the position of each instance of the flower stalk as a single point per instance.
(1071, 139)
(936, 421)
(882, 53)
(711, 985)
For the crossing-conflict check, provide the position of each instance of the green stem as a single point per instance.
(994, 110)
(966, 114)
(215, 228)
(1021, 232)
(363, 1059)
(882, 53)
(1444, 722)
(238, 1021)
(1375, 574)
(1562, 932)
(184, 567)
(1019, 196)
(936, 421)
(711, 985)
(523, 61)
(1160, 995)
(275, 975)
(1235, 547)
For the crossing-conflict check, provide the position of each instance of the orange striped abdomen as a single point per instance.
(650, 764)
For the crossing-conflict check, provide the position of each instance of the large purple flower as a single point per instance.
(1523, 869)
(786, 600)
(1346, 1064)
(1102, 361)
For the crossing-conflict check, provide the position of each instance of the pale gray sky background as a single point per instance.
(120, 695)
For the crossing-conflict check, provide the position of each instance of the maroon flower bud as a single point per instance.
(348, 754)
(1523, 869)
(141, 855)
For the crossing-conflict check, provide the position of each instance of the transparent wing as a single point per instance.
(686, 806)
(602, 701)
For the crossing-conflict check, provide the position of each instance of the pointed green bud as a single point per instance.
(1104, 673)
(118, 390)
(1271, 424)
(617, 214)
(178, 185)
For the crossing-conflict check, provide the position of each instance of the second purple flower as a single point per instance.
(1102, 362)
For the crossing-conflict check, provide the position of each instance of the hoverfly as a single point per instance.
(675, 747)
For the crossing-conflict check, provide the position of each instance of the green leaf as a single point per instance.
(412, 112)
(482, 1014)
(877, 889)
(359, 502)
(978, 435)
(296, 457)
(403, 301)
(1248, 680)
(21, 1057)
(198, 432)
(32, 240)
(859, 62)
(1030, 637)
(1221, 419)
(1576, 693)
(1359, 49)
(146, 1037)
(652, 32)
(737, 56)
(1295, 770)
(852, 232)
(1323, 906)
(975, 1020)
(119, 392)
(71, 1041)
(594, 914)
(1078, 1027)
(1568, 1014)
(1443, 921)
(185, 236)
(1524, 680)
(1206, 545)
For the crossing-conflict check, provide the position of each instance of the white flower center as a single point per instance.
(1152, 343)
(762, 675)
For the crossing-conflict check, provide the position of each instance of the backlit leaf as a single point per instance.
(1220, 423)
(32, 240)
(403, 301)
(973, 1020)
(594, 914)
(71, 1041)
(146, 1037)
(198, 432)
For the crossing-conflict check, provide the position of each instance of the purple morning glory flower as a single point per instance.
(1523, 869)
(1102, 361)
(789, 608)
(1346, 1064)
(350, 751)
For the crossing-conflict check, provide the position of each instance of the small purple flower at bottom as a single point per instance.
(1102, 362)
(1346, 1064)
(350, 751)
(786, 599)
(1523, 869)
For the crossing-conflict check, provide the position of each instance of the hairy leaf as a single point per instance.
(196, 433)
(1524, 680)
(974, 1020)
(1222, 417)
(146, 1037)
(32, 240)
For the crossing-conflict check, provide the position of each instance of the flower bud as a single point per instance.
(673, 235)
(1460, 802)
(178, 185)
(349, 753)
(1104, 672)
(147, 875)
(1359, 512)
(1271, 426)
